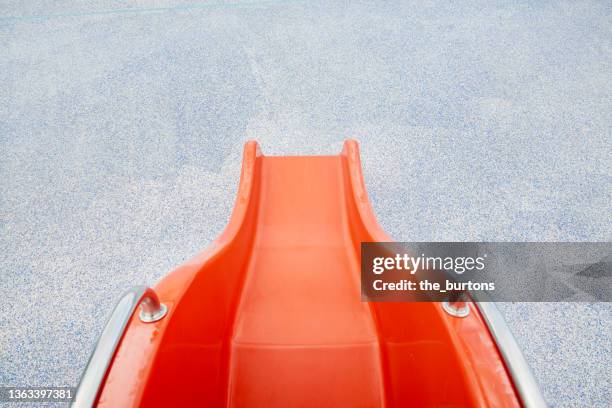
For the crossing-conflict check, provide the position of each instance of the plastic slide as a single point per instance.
(270, 315)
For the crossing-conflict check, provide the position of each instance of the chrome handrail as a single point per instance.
(526, 384)
(99, 362)
(524, 380)
(152, 310)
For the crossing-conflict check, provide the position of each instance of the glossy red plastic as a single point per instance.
(270, 315)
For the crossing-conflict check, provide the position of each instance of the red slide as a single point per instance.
(270, 315)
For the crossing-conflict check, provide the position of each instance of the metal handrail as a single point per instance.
(99, 362)
(524, 380)
(152, 310)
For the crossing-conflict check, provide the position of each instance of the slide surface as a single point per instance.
(271, 313)
(298, 316)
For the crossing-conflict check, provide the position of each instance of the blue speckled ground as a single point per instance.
(121, 133)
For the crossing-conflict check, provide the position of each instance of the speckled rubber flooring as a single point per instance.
(122, 125)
